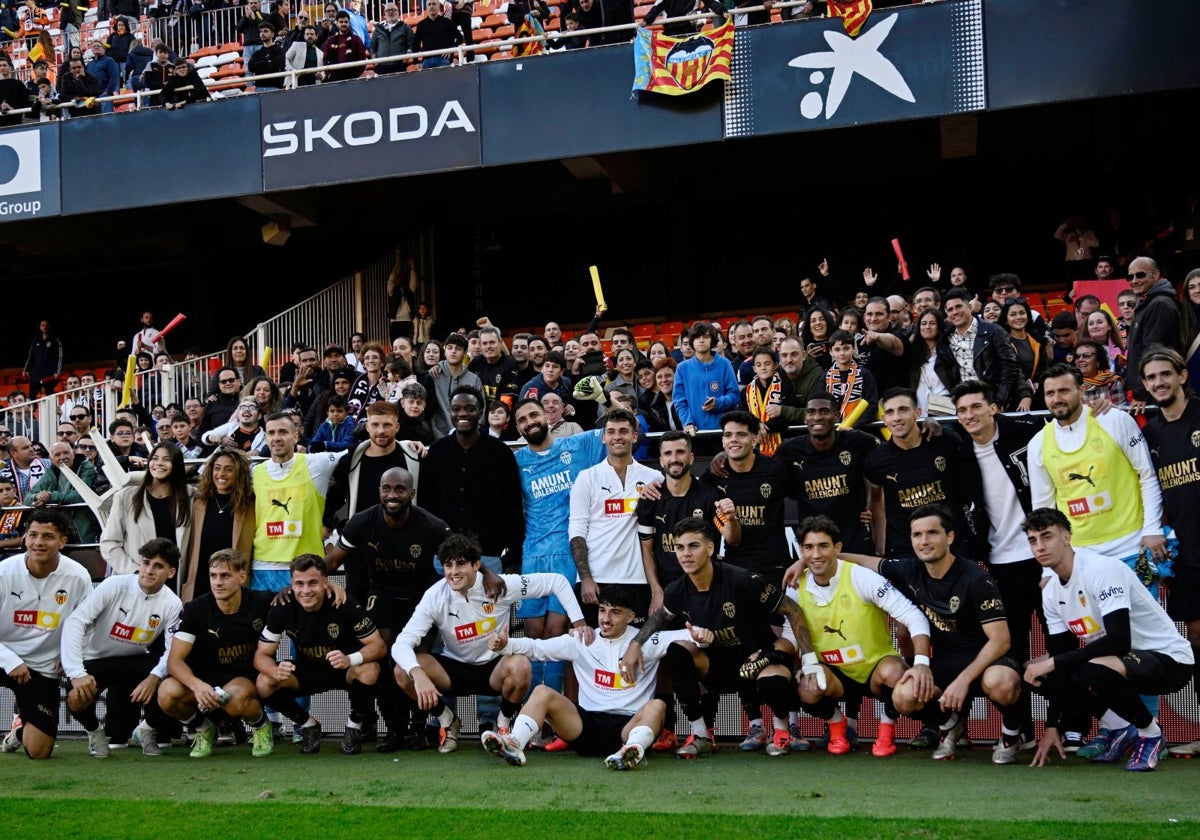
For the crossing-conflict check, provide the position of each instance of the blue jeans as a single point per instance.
(434, 61)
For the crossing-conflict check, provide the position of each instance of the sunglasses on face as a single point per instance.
(78, 416)
(1137, 275)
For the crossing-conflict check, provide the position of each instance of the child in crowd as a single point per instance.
(336, 432)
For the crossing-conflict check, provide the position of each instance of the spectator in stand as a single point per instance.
(41, 70)
(435, 32)
(64, 69)
(158, 506)
(556, 423)
(327, 25)
(237, 356)
(597, 13)
(705, 385)
(157, 72)
(106, 73)
(460, 15)
(336, 432)
(120, 42)
(295, 34)
(1079, 242)
(13, 94)
(392, 37)
(1099, 381)
(268, 58)
(184, 86)
(358, 23)
(70, 17)
(931, 364)
(991, 312)
(264, 392)
(136, 63)
(55, 489)
(1064, 331)
(568, 41)
(221, 405)
(304, 54)
(682, 8)
(1102, 328)
(428, 358)
(344, 46)
(248, 27)
(1032, 353)
(24, 468)
(818, 326)
(43, 366)
(983, 351)
(1155, 321)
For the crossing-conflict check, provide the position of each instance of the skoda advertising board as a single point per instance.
(405, 124)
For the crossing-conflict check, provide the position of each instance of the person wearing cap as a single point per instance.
(106, 644)
(268, 58)
(344, 46)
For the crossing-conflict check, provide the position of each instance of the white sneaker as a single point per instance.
(1182, 751)
(1004, 753)
(626, 758)
(503, 746)
(98, 744)
(145, 737)
(11, 742)
(949, 744)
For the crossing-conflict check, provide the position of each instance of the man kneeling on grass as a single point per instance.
(613, 717)
(1109, 642)
(336, 648)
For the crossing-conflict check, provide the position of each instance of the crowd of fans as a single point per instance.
(293, 458)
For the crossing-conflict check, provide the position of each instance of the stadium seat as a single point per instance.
(643, 331)
(669, 327)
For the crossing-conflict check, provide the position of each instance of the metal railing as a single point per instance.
(290, 77)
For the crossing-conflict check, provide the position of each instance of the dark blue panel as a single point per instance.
(1060, 50)
(29, 182)
(579, 103)
(365, 130)
(905, 64)
(207, 150)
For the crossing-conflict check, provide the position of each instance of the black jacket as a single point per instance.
(1155, 321)
(171, 89)
(996, 364)
(270, 59)
(1012, 447)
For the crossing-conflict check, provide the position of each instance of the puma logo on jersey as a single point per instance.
(838, 631)
(1087, 478)
(893, 477)
(284, 505)
(122, 611)
(216, 633)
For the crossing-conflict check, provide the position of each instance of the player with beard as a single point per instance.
(969, 633)
(548, 470)
(1174, 439)
(827, 467)
(336, 647)
(399, 542)
(661, 506)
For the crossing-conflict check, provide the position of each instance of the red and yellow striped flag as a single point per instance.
(854, 13)
(675, 66)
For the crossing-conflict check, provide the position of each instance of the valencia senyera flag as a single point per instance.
(676, 66)
(854, 13)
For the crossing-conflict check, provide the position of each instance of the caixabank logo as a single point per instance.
(24, 191)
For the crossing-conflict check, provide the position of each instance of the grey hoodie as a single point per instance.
(442, 386)
(1155, 321)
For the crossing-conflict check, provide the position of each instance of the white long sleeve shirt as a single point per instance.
(1124, 430)
(467, 622)
(119, 619)
(598, 666)
(33, 612)
(872, 588)
(604, 512)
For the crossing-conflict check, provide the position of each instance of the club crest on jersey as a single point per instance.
(60, 597)
(1196, 439)
(565, 457)
(414, 551)
(155, 620)
(765, 490)
(698, 512)
(940, 463)
(714, 387)
(844, 457)
(955, 603)
(333, 631)
(729, 609)
(489, 607)
(257, 625)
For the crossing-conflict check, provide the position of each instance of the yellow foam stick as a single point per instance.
(854, 415)
(596, 288)
(130, 380)
(265, 361)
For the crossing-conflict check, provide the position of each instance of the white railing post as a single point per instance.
(359, 302)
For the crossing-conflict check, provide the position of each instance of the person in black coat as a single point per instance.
(184, 87)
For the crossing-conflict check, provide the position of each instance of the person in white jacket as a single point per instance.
(106, 645)
(466, 617)
(304, 54)
(132, 521)
(613, 717)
